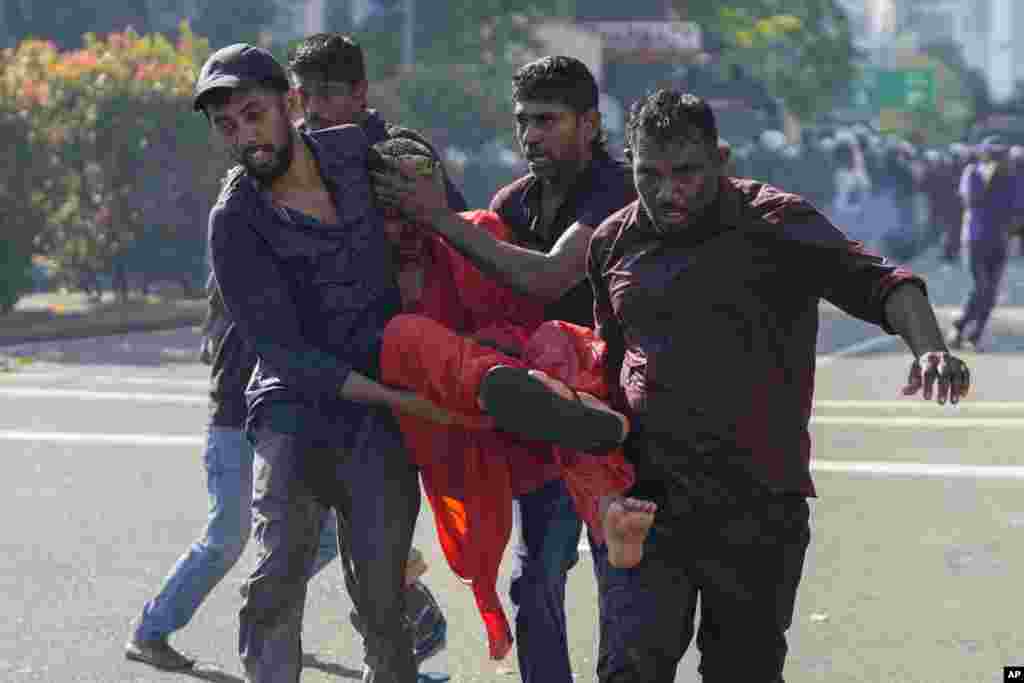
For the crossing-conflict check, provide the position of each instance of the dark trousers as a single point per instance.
(987, 265)
(740, 549)
(375, 492)
(546, 548)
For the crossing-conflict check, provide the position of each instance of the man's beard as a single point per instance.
(276, 166)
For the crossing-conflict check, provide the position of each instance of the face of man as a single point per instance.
(330, 103)
(407, 238)
(676, 181)
(255, 127)
(555, 140)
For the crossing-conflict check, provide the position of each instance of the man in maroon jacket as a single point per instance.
(706, 290)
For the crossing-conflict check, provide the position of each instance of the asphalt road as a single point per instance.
(913, 573)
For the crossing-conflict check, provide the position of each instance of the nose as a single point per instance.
(531, 135)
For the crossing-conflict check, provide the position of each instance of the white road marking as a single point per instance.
(860, 347)
(103, 379)
(920, 404)
(919, 469)
(32, 392)
(931, 422)
(119, 439)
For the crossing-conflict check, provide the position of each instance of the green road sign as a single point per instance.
(906, 89)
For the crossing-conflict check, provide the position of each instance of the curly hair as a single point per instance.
(670, 115)
(560, 80)
(405, 142)
(329, 57)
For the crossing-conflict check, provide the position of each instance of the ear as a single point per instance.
(591, 122)
(724, 154)
(360, 91)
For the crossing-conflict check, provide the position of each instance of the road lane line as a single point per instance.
(32, 392)
(919, 404)
(933, 422)
(920, 469)
(860, 347)
(118, 439)
(101, 379)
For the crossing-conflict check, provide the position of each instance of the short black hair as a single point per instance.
(559, 79)
(329, 57)
(671, 115)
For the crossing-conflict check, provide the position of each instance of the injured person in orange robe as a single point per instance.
(523, 395)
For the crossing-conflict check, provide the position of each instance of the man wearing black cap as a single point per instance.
(305, 273)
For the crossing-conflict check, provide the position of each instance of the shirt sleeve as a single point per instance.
(970, 186)
(257, 296)
(842, 271)
(606, 325)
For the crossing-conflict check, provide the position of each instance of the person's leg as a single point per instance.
(328, 548)
(469, 379)
(545, 549)
(969, 310)
(287, 519)
(228, 462)
(378, 500)
(991, 266)
(645, 614)
(748, 581)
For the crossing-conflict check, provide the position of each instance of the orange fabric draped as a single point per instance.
(470, 470)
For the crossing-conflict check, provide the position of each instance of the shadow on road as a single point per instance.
(213, 675)
(310, 661)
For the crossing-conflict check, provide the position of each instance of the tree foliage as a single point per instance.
(96, 118)
(66, 23)
(465, 54)
(802, 49)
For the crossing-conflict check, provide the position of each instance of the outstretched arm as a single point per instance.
(544, 275)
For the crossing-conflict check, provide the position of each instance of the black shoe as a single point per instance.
(524, 405)
(157, 653)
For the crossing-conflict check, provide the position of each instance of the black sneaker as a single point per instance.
(157, 653)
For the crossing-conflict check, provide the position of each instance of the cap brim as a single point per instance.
(213, 84)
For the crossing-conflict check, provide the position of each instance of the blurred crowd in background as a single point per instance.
(898, 198)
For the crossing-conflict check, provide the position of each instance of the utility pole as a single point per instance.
(409, 34)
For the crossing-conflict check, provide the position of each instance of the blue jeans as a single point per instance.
(546, 548)
(228, 462)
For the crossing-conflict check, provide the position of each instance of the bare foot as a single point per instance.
(626, 522)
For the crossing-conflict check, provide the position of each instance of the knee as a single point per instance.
(225, 552)
(407, 327)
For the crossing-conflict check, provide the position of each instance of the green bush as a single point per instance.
(15, 276)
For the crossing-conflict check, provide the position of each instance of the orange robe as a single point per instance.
(470, 471)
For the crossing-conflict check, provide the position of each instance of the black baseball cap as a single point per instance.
(237, 66)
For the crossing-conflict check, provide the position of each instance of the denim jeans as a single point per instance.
(228, 462)
(546, 548)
